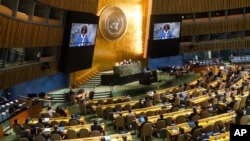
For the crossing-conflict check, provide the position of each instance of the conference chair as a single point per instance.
(83, 133)
(147, 131)
(71, 134)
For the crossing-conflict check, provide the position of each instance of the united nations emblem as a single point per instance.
(112, 23)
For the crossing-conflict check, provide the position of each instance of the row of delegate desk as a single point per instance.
(174, 130)
(114, 137)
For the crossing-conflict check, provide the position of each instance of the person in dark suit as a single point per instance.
(97, 127)
(73, 118)
(197, 126)
(239, 115)
(61, 111)
(17, 124)
(55, 131)
(231, 104)
(193, 114)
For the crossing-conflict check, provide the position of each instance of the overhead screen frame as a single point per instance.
(163, 47)
(76, 58)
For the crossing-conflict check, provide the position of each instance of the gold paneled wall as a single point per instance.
(19, 34)
(192, 6)
(88, 6)
(130, 45)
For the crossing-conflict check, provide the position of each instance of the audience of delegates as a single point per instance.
(231, 79)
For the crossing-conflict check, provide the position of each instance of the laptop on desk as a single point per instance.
(191, 124)
(46, 130)
(61, 129)
(46, 119)
(141, 119)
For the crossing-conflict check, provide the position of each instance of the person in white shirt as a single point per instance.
(50, 111)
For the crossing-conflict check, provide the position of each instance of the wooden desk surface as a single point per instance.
(153, 119)
(174, 130)
(106, 99)
(221, 137)
(137, 111)
(58, 119)
(170, 96)
(113, 137)
(132, 103)
(78, 127)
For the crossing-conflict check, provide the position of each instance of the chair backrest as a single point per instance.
(183, 137)
(99, 111)
(100, 101)
(229, 123)
(244, 120)
(197, 133)
(95, 133)
(74, 122)
(169, 121)
(205, 114)
(149, 103)
(147, 129)
(64, 123)
(174, 109)
(71, 134)
(209, 128)
(177, 101)
(84, 132)
(130, 119)
(195, 117)
(52, 123)
(39, 138)
(17, 129)
(127, 107)
(243, 102)
(156, 98)
(160, 124)
(55, 137)
(119, 121)
(150, 113)
(180, 119)
(215, 128)
(118, 107)
(108, 110)
(236, 105)
(163, 133)
(45, 115)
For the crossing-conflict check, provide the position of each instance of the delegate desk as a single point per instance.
(190, 92)
(155, 109)
(132, 103)
(34, 121)
(112, 137)
(153, 119)
(221, 137)
(105, 100)
(78, 127)
(174, 130)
